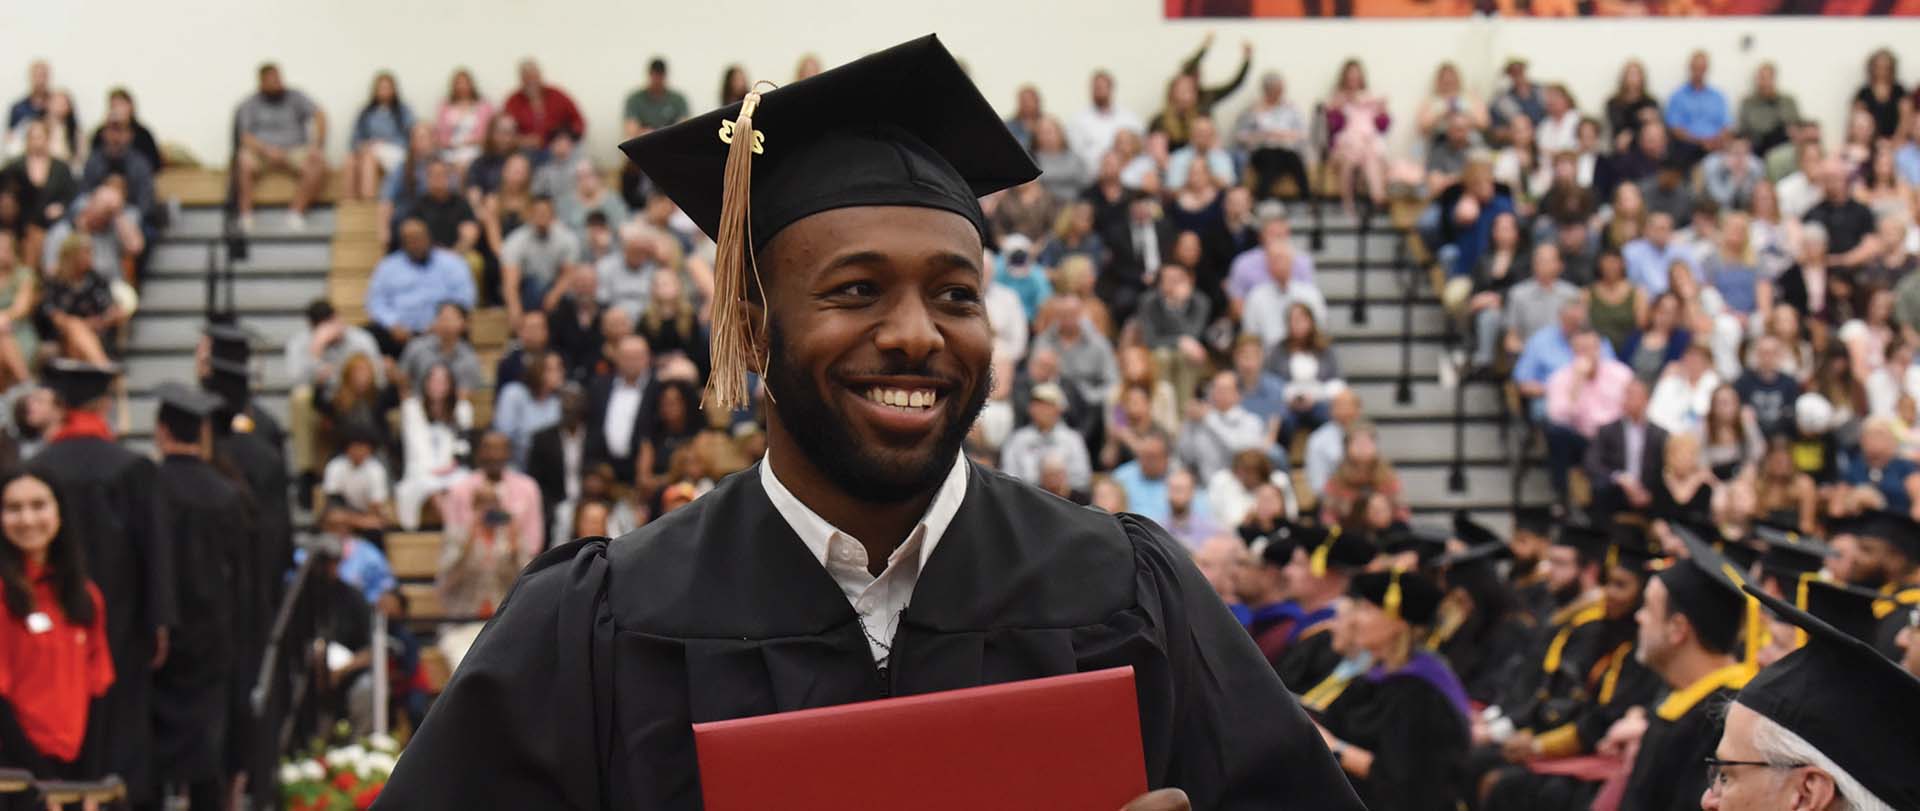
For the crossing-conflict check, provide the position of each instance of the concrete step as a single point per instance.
(1488, 485)
(281, 256)
(1380, 357)
(141, 408)
(181, 332)
(1342, 283)
(1432, 442)
(1385, 319)
(1431, 402)
(1344, 246)
(189, 295)
(1332, 219)
(200, 222)
(145, 371)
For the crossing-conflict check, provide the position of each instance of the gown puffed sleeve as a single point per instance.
(525, 719)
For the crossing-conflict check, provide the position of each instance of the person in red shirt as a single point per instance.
(53, 637)
(541, 110)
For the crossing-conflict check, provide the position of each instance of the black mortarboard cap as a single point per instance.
(1789, 554)
(1705, 588)
(184, 409)
(1743, 554)
(1895, 528)
(230, 343)
(1472, 532)
(1402, 538)
(1630, 551)
(899, 127)
(1537, 520)
(1851, 703)
(1590, 540)
(1848, 608)
(1475, 564)
(1334, 549)
(1276, 548)
(77, 383)
(1405, 594)
(231, 383)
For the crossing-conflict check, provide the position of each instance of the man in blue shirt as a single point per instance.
(1650, 257)
(1697, 113)
(1145, 478)
(1879, 473)
(409, 286)
(1548, 349)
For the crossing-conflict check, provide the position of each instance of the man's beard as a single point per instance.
(820, 428)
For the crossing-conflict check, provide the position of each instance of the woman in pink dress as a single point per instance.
(1356, 128)
(460, 127)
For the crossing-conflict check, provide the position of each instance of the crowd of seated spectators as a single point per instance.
(1694, 273)
(1705, 309)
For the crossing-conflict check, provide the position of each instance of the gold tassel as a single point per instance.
(1391, 600)
(733, 352)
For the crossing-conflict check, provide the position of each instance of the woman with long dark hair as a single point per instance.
(733, 84)
(670, 422)
(53, 637)
(379, 141)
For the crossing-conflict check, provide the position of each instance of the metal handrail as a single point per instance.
(1409, 288)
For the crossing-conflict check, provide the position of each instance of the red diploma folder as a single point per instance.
(1066, 742)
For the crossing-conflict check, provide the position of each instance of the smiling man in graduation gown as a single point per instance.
(864, 557)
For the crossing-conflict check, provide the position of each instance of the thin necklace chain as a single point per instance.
(886, 648)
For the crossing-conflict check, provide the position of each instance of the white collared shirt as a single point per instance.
(878, 600)
(623, 405)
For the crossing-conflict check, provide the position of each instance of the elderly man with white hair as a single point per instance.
(626, 275)
(1827, 728)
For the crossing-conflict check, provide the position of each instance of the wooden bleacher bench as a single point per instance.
(423, 600)
(488, 329)
(204, 186)
(109, 789)
(414, 555)
(15, 781)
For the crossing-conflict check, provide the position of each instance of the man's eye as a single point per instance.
(960, 295)
(859, 289)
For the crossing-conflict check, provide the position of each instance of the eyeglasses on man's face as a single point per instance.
(1717, 775)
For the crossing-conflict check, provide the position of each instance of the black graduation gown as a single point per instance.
(106, 498)
(254, 465)
(1899, 612)
(1670, 772)
(580, 693)
(1482, 650)
(1308, 661)
(1614, 686)
(1417, 738)
(204, 519)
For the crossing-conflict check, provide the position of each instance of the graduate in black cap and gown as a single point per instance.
(864, 557)
(247, 447)
(1691, 629)
(1271, 608)
(1892, 542)
(1847, 715)
(1399, 726)
(1481, 628)
(204, 522)
(1593, 680)
(106, 496)
(1322, 570)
